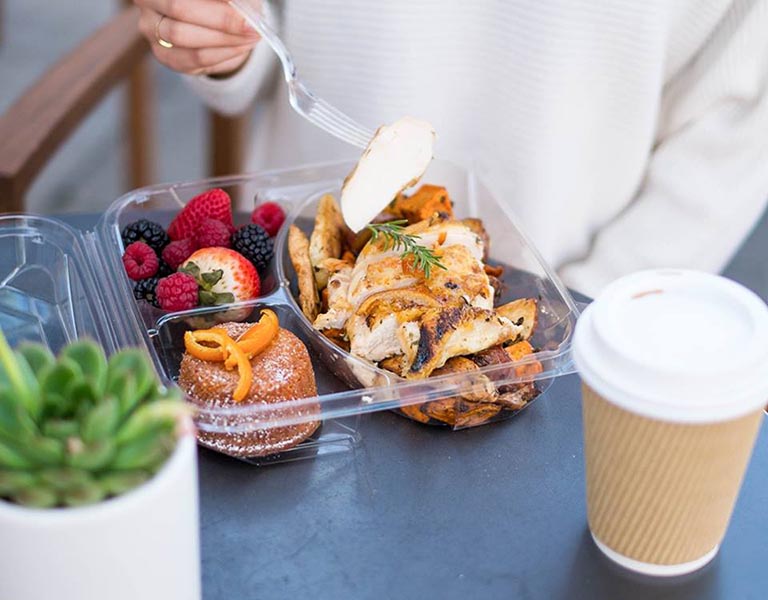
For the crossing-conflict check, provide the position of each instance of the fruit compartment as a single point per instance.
(525, 275)
(47, 291)
(162, 204)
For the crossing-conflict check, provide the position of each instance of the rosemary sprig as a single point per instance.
(395, 238)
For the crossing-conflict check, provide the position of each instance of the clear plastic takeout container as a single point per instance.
(58, 284)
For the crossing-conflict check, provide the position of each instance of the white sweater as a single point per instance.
(626, 134)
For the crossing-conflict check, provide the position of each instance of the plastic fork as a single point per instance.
(308, 105)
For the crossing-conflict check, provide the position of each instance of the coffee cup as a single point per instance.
(674, 366)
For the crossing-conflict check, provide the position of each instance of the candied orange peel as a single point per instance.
(215, 345)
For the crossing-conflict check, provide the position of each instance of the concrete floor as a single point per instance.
(87, 174)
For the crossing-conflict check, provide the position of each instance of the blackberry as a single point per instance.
(254, 243)
(146, 231)
(164, 269)
(145, 289)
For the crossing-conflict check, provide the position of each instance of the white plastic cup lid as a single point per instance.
(676, 345)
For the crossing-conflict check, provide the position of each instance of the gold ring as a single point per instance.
(161, 41)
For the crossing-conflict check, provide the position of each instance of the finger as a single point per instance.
(186, 35)
(213, 14)
(192, 60)
(228, 66)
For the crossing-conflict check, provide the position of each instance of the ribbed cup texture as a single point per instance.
(657, 492)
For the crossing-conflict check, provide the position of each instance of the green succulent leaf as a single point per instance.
(126, 392)
(38, 357)
(92, 362)
(142, 453)
(161, 414)
(44, 451)
(12, 458)
(82, 391)
(20, 378)
(55, 381)
(83, 494)
(64, 478)
(15, 421)
(61, 428)
(58, 406)
(40, 496)
(12, 482)
(101, 420)
(118, 483)
(134, 362)
(95, 456)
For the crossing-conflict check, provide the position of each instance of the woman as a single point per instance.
(625, 134)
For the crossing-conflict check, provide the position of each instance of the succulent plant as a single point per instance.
(79, 428)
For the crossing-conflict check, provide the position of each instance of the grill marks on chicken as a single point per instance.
(456, 331)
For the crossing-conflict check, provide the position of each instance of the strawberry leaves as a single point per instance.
(207, 281)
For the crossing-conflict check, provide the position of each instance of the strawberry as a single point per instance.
(224, 276)
(213, 204)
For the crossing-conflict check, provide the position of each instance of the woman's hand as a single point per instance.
(209, 37)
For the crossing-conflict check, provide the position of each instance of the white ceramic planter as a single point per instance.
(143, 545)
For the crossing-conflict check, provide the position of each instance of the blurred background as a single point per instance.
(88, 172)
(90, 169)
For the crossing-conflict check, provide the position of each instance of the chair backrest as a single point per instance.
(36, 125)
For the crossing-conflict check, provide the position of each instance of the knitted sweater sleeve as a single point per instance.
(706, 182)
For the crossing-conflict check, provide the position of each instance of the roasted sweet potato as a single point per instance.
(413, 411)
(338, 337)
(519, 351)
(422, 204)
(471, 414)
(441, 410)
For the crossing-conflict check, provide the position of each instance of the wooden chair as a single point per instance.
(36, 125)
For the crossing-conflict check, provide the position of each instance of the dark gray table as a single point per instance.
(420, 512)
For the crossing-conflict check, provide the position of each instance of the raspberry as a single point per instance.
(177, 292)
(213, 204)
(140, 261)
(270, 216)
(177, 252)
(254, 243)
(212, 234)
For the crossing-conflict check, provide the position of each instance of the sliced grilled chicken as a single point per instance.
(339, 308)
(379, 328)
(456, 331)
(523, 312)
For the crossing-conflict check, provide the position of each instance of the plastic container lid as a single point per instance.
(676, 345)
